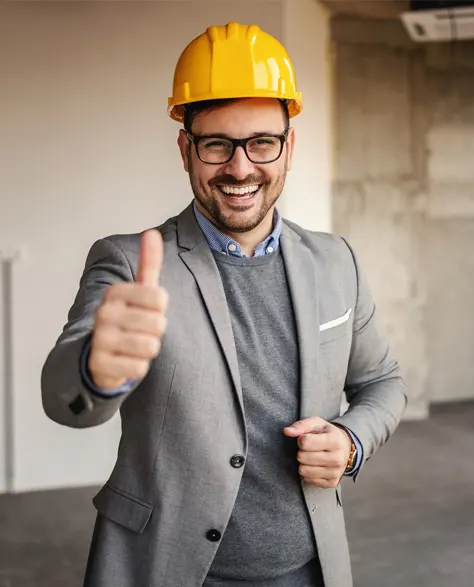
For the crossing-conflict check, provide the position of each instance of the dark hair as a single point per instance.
(192, 110)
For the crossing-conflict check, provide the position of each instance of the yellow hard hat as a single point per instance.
(233, 61)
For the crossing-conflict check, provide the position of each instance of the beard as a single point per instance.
(212, 200)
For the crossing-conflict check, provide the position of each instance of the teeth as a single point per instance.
(236, 191)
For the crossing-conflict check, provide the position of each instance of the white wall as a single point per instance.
(306, 33)
(88, 150)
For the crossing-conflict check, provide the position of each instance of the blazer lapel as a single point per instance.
(304, 285)
(198, 258)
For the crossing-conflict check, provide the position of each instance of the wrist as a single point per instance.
(352, 449)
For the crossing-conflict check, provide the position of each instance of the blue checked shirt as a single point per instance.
(220, 243)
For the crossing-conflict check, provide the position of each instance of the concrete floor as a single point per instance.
(410, 516)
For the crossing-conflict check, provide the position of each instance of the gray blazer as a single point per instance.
(172, 481)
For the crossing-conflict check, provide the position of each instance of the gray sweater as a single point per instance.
(269, 541)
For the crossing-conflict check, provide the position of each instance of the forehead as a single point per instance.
(242, 118)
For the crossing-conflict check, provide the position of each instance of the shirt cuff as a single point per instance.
(359, 456)
(87, 378)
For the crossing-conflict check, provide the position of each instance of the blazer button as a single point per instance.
(237, 461)
(213, 535)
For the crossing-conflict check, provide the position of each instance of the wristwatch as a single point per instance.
(352, 457)
(353, 454)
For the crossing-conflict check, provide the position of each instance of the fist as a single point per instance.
(130, 322)
(324, 451)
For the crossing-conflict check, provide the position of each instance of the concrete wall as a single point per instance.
(403, 190)
(87, 150)
(449, 254)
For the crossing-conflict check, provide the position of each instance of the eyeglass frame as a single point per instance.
(195, 140)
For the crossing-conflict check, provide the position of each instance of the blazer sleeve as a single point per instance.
(67, 399)
(375, 389)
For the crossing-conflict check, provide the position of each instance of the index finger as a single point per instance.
(315, 442)
(150, 259)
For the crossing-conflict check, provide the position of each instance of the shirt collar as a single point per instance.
(221, 243)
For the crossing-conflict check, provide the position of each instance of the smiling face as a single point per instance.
(238, 196)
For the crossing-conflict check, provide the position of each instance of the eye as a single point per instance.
(264, 144)
(265, 141)
(213, 144)
(216, 144)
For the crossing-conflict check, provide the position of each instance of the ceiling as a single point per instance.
(381, 9)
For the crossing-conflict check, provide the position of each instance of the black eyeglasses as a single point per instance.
(260, 149)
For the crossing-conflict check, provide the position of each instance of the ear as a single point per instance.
(290, 141)
(183, 144)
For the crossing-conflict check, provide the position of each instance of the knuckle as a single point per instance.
(106, 314)
(97, 340)
(138, 369)
(150, 296)
(156, 323)
(152, 347)
(110, 292)
(159, 325)
(140, 295)
(116, 291)
(156, 297)
(99, 352)
(340, 459)
(133, 318)
(164, 299)
(302, 442)
(98, 363)
(95, 359)
(101, 316)
(164, 324)
(334, 461)
(341, 442)
(104, 337)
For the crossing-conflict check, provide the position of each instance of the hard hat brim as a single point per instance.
(295, 104)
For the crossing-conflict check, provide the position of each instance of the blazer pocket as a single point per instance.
(122, 508)
(334, 328)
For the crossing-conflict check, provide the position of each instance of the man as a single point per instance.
(226, 340)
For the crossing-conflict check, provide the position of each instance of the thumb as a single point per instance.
(150, 260)
(314, 425)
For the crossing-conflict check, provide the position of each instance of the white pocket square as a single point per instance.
(336, 321)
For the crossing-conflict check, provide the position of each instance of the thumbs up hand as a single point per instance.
(130, 322)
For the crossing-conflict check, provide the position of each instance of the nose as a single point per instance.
(240, 166)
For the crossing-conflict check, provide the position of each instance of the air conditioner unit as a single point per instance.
(440, 20)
